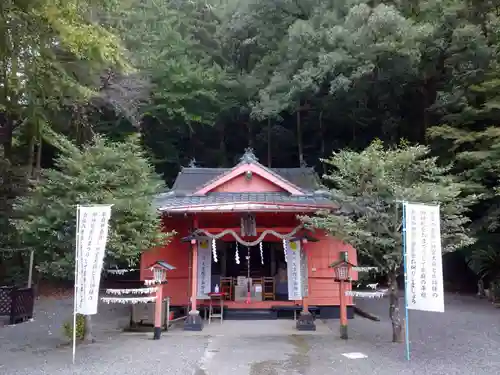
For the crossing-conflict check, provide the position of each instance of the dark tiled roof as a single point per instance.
(169, 200)
(305, 178)
(190, 179)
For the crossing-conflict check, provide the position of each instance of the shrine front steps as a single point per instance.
(250, 314)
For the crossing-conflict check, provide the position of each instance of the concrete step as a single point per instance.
(250, 314)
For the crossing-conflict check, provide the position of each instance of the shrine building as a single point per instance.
(238, 233)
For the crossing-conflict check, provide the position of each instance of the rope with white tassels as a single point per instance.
(237, 255)
(214, 250)
(261, 254)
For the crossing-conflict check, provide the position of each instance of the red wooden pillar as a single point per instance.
(193, 321)
(305, 299)
(194, 276)
(306, 320)
(343, 311)
(158, 312)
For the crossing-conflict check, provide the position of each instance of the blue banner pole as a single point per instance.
(405, 266)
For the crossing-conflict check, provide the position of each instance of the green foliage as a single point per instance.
(368, 187)
(485, 262)
(115, 173)
(80, 328)
(176, 56)
(205, 80)
(338, 48)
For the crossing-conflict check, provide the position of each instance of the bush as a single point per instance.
(495, 291)
(80, 328)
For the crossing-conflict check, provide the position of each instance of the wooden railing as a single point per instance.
(17, 303)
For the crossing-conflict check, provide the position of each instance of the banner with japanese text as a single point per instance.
(294, 269)
(304, 264)
(204, 269)
(92, 236)
(424, 268)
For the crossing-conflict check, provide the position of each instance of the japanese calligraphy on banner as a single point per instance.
(303, 273)
(92, 235)
(424, 279)
(204, 269)
(294, 270)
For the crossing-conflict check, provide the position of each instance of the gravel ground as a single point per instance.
(465, 340)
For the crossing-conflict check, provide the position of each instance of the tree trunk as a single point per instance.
(299, 140)
(394, 309)
(322, 141)
(7, 136)
(88, 337)
(38, 166)
(31, 157)
(250, 134)
(222, 146)
(269, 144)
(192, 146)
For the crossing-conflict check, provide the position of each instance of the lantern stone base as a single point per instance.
(343, 332)
(305, 322)
(193, 322)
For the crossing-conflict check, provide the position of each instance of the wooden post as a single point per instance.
(343, 311)
(193, 321)
(305, 299)
(158, 313)
(30, 270)
(306, 320)
(194, 277)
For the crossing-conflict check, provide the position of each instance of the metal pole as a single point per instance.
(30, 271)
(405, 265)
(77, 254)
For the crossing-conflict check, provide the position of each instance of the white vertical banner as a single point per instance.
(92, 235)
(204, 276)
(424, 272)
(304, 264)
(294, 270)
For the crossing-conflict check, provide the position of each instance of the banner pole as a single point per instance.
(405, 267)
(76, 278)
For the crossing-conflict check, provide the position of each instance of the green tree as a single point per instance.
(52, 55)
(117, 173)
(368, 187)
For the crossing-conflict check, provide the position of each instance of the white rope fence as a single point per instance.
(128, 300)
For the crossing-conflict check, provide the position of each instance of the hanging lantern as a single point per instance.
(342, 268)
(285, 248)
(159, 269)
(261, 253)
(237, 255)
(342, 272)
(214, 250)
(159, 274)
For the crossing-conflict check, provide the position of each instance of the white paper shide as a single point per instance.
(92, 235)
(424, 279)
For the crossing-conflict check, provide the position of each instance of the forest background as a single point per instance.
(199, 81)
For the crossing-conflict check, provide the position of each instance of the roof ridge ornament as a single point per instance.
(249, 156)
